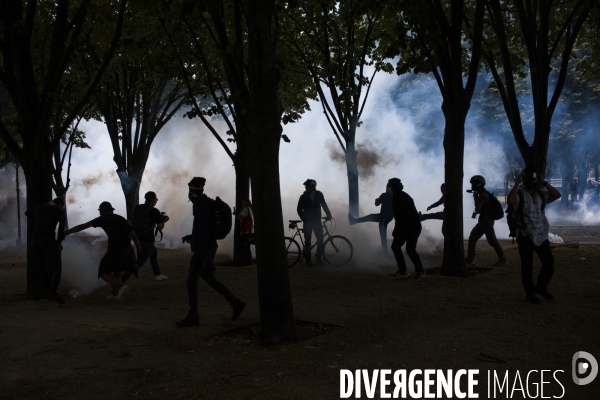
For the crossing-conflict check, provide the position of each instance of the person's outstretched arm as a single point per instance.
(437, 203)
(78, 228)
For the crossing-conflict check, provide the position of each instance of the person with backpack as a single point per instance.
(210, 224)
(119, 256)
(407, 229)
(489, 209)
(383, 218)
(246, 218)
(532, 227)
(309, 210)
(47, 244)
(147, 218)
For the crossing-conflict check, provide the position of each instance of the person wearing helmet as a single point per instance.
(440, 202)
(119, 256)
(407, 229)
(485, 223)
(309, 210)
(532, 236)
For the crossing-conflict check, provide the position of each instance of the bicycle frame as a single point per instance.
(299, 232)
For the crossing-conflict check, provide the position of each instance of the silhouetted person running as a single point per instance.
(119, 256)
(440, 202)
(383, 218)
(485, 223)
(530, 201)
(202, 264)
(407, 230)
(47, 246)
(309, 210)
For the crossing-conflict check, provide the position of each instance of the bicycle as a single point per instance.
(337, 250)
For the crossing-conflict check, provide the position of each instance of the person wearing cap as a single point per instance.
(150, 216)
(202, 264)
(120, 256)
(47, 244)
(309, 210)
(407, 229)
(534, 194)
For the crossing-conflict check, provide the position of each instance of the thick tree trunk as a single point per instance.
(39, 191)
(242, 191)
(452, 228)
(264, 135)
(130, 183)
(352, 169)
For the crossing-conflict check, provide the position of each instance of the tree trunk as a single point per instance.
(130, 183)
(62, 194)
(452, 228)
(264, 135)
(39, 191)
(242, 191)
(352, 168)
(566, 174)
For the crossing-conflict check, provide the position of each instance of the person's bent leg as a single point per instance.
(308, 228)
(526, 254)
(436, 215)
(490, 235)
(397, 244)
(191, 282)
(476, 233)
(208, 274)
(383, 223)
(411, 250)
(368, 218)
(113, 281)
(141, 261)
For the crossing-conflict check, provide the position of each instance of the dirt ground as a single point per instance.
(93, 348)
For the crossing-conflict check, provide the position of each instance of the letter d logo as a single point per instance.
(580, 368)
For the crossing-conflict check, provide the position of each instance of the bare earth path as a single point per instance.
(93, 348)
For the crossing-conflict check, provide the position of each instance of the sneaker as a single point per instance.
(544, 294)
(238, 307)
(55, 297)
(189, 321)
(533, 299)
(122, 291)
(400, 274)
(500, 262)
(160, 277)
(419, 275)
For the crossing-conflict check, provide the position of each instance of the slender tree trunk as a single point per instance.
(242, 191)
(62, 194)
(454, 143)
(264, 135)
(130, 183)
(581, 178)
(352, 169)
(19, 242)
(566, 174)
(39, 191)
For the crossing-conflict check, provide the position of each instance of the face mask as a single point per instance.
(191, 196)
(529, 185)
(389, 189)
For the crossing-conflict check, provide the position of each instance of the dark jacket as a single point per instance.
(386, 205)
(309, 210)
(46, 216)
(201, 225)
(406, 215)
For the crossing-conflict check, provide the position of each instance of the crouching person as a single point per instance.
(120, 256)
(202, 264)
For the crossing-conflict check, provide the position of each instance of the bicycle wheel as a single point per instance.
(338, 251)
(293, 251)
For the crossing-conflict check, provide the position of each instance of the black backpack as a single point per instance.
(515, 219)
(495, 209)
(141, 221)
(220, 223)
